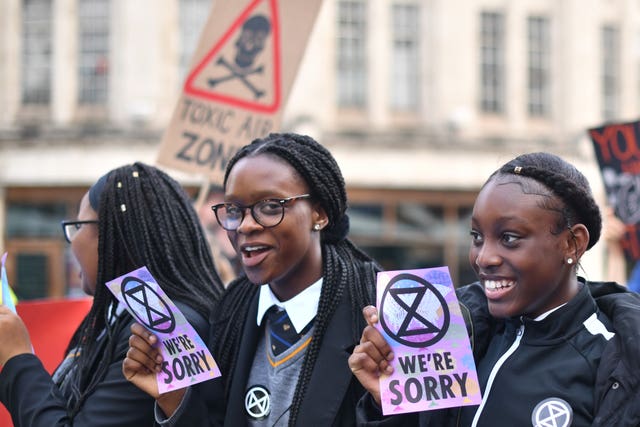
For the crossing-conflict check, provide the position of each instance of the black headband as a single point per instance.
(96, 191)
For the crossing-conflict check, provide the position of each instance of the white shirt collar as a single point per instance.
(301, 309)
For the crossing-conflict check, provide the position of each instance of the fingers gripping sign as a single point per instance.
(13, 332)
(370, 314)
(7, 297)
(143, 360)
(13, 335)
(421, 325)
(371, 357)
(167, 345)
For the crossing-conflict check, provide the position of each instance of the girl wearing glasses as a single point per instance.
(284, 212)
(133, 216)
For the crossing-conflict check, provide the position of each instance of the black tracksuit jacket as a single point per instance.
(579, 366)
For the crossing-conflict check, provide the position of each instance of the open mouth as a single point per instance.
(498, 285)
(253, 255)
(251, 251)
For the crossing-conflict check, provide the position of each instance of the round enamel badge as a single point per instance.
(554, 412)
(257, 402)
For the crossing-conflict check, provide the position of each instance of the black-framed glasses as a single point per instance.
(268, 213)
(71, 228)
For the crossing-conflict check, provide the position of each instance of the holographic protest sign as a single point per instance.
(421, 320)
(6, 295)
(187, 359)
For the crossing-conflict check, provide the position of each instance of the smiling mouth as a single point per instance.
(498, 285)
(250, 251)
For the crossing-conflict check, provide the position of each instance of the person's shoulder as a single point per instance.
(199, 322)
(622, 308)
(477, 318)
(618, 303)
(472, 295)
(611, 296)
(601, 288)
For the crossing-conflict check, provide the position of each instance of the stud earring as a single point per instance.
(569, 261)
(316, 227)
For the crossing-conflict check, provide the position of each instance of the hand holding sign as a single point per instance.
(13, 333)
(186, 360)
(433, 366)
(143, 361)
(6, 294)
(142, 364)
(372, 356)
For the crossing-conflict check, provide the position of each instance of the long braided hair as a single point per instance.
(565, 181)
(145, 218)
(345, 268)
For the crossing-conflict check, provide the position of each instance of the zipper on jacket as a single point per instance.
(494, 372)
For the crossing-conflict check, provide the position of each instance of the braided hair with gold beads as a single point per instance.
(145, 218)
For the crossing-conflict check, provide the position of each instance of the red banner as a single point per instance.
(51, 324)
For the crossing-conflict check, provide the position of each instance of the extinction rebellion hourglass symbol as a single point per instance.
(143, 302)
(413, 312)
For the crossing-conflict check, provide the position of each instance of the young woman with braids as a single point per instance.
(133, 216)
(551, 348)
(284, 211)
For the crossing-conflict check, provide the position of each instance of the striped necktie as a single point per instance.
(283, 334)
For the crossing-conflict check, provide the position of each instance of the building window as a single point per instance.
(352, 63)
(36, 51)
(414, 229)
(610, 72)
(492, 62)
(35, 241)
(193, 17)
(405, 63)
(42, 262)
(93, 54)
(539, 66)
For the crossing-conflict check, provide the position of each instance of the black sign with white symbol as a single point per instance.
(257, 402)
(149, 307)
(413, 312)
(552, 412)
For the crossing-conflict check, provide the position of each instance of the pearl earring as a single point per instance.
(569, 261)
(316, 227)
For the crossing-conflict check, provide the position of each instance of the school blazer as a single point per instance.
(331, 396)
(332, 393)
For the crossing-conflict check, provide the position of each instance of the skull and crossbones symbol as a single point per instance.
(250, 43)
